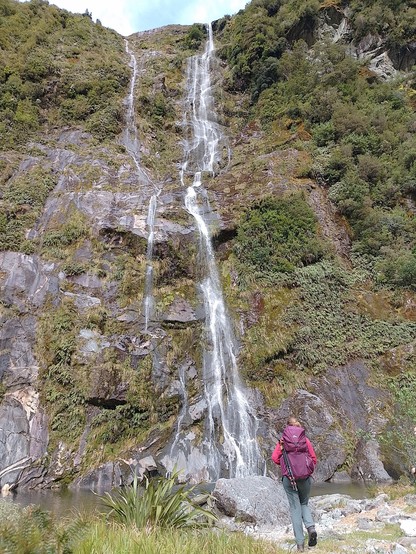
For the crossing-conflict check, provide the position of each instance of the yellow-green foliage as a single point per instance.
(21, 202)
(155, 504)
(59, 387)
(29, 529)
(266, 342)
(57, 68)
(363, 138)
(102, 538)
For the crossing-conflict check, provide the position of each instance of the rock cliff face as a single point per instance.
(87, 396)
(383, 59)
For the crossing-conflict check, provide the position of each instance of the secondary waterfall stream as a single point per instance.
(131, 143)
(230, 443)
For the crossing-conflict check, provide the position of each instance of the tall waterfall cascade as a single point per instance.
(130, 141)
(229, 444)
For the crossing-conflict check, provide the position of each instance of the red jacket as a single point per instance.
(277, 454)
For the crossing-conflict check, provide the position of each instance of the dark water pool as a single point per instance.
(64, 503)
(60, 503)
(355, 490)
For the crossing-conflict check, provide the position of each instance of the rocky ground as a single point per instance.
(371, 525)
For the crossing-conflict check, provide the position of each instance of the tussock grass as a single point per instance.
(102, 539)
(159, 504)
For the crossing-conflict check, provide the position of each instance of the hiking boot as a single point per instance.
(300, 548)
(313, 537)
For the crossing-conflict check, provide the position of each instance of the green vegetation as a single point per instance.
(159, 96)
(159, 504)
(21, 203)
(277, 235)
(195, 36)
(33, 530)
(28, 529)
(398, 441)
(330, 329)
(57, 68)
(68, 386)
(60, 392)
(362, 129)
(358, 131)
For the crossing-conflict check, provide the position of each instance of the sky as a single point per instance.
(131, 16)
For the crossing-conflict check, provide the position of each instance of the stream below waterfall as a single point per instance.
(63, 503)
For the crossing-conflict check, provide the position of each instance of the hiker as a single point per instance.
(297, 459)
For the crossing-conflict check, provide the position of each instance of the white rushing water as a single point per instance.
(130, 141)
(230, 442)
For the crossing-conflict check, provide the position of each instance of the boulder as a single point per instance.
(259, 501)
(369, 467)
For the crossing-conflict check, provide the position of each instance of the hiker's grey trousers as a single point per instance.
(298, 504)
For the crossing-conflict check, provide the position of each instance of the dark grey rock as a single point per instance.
(369, 467)
(26, 280)
(180, 311)
(14, 437)
(102, 479)
(18, 366)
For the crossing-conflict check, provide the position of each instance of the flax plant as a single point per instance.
(159, 503)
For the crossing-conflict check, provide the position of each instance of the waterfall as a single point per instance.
(148, 303)
(230, 442)
(130, 141)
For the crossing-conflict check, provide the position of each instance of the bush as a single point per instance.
(278, 235)
(158, 504)
(31, 529)
(399, 268)
(324, 133)
(195, 36)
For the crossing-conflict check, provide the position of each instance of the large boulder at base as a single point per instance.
(369, 467)
(257, 501)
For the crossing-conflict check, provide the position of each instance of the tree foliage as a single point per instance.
(277, 235)
(362, 127)
(57, 68)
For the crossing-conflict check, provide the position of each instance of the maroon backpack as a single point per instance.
(294, 443)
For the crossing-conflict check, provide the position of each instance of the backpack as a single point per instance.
(294, 443)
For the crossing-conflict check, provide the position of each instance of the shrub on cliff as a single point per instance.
(277, 235)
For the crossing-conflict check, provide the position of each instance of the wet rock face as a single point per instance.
(338, 406)
(369, 467)
(335, 23)
(180, 311)
(26, 281)
(14, 437)
(18, 366)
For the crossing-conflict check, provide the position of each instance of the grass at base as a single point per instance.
(101, 538)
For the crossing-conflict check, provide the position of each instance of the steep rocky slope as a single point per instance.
(88, 389)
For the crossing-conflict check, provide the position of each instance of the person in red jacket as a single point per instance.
(298, 494)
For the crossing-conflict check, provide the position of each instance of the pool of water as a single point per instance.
(355, 490)
(65, 503)
(61, 503)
